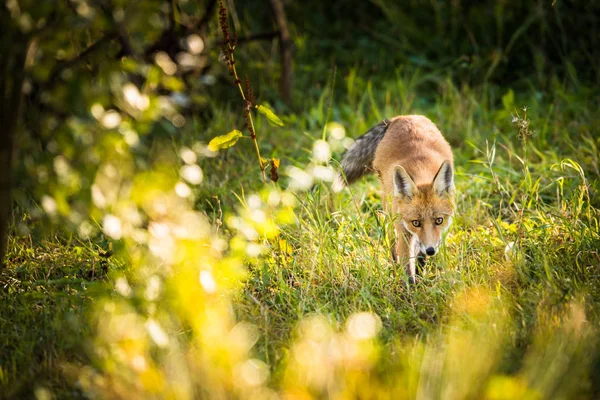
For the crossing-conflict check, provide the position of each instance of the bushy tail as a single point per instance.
(358, 159)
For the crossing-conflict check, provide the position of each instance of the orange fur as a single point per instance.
(421, 189)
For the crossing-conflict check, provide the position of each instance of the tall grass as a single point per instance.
(509, 307)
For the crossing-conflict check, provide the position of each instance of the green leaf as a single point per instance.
(508, 100)
(173, 84)
(176, 14)
(130, 65)
(271, 117)
(153, 76)
(224, 141)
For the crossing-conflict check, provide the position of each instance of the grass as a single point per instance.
(522, 256)
(43, 311)
(527, 230)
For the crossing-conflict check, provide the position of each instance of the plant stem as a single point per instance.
(238, 82)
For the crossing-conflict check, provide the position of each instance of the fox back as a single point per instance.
(414, 143)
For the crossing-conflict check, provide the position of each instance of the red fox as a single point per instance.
(415, 166)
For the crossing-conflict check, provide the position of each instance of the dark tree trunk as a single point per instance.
(285, 51)
(13, 49)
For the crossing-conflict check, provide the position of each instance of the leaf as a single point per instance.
(173, 84)
(271, 117)
(508, 100)
(153, 76)
(176, 14)
(224, 141)
(130, 65)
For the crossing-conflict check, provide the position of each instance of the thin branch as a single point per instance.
(61, 66)
(208, 14)
(126, 48)
(256, 36)
(120, 30)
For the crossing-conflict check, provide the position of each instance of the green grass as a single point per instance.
(45, 294)
(539, 196)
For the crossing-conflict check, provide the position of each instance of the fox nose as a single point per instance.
(430, 251)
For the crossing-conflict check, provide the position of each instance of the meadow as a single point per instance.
(231, 288)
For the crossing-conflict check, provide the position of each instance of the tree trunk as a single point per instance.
(13, 49)
(285, 51)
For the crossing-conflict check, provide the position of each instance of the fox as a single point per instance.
(415, 166)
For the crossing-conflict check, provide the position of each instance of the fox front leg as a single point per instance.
(413, 247)
(416, 258)
(404, 252)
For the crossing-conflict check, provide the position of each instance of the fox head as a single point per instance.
(425, 210)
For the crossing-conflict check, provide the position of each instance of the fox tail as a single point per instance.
(358, 159)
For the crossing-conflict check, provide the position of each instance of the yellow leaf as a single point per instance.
(271, 117)
(224, 141)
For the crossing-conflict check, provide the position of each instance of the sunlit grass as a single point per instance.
(508, 308)
(525, 224)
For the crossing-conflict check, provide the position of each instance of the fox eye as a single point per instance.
(439, 221)
(416, 223)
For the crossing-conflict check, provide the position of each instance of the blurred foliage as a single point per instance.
(185, 277)
(474, 41)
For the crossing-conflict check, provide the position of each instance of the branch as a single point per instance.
(121, 32)
(256, 36)
(61, 66)
(126, 48)
(208, 13)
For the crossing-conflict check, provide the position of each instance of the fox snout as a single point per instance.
(430, 251)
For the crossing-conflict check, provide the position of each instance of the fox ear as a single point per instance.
(403, 183)
(444, 179)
